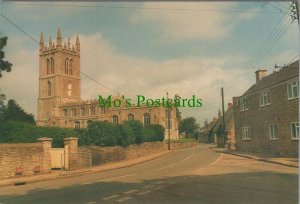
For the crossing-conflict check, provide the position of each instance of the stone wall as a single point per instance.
(24, 159)
(102, 155)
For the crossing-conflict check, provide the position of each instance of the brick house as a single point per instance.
(266, 115)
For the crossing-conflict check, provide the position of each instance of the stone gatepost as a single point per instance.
(71, 150)
(46, 144)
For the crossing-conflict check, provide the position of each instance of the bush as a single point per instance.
(133, 131)
(20, 132)
(153, 133)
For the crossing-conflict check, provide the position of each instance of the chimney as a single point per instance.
(261, 73)
(229, 106)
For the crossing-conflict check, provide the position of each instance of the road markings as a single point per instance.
(110, 197)
(220, 157)
(131, 191)
(149, 186)
(123, 199)
(109, 179)
(188, 157)
(144, 193)
(91, 202)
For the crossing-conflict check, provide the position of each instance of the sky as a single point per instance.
(150, 48)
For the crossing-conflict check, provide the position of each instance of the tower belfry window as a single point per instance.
(49, 88)
(67, 66)
(48, 66)
(71, 67)
(69, 89)
(51, 66)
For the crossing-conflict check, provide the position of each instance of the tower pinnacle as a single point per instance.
(77, 43)
(41, 41)
(58, 38)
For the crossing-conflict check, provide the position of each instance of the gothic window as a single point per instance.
(69, 89)
(65, 112)
(77, 125)
(130, 116)
(82, 111)
(49, 88)
(67, 66)
(48, 66)
(73, 112)
(51, 66)
(71, 67)
(115, 120)
(92, 110)
(146, 119)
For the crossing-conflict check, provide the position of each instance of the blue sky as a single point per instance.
(151, 48)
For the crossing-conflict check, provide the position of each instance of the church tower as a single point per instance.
(59, 78)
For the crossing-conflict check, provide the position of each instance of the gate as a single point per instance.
(57, 158)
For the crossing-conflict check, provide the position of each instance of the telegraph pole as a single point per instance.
(223, 113)
(168, 120)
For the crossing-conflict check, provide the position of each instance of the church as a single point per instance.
(60, 103)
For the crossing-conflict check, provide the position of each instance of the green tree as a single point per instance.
(133, 131)
(14, 112)
(2, 106)
(188, 126)
(4, 65)
(153, 133)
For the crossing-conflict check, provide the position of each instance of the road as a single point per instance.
(193, 175)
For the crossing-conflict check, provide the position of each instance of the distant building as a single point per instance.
(60, 103)
(229, 129)
(266, 115)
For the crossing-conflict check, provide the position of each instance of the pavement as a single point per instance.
(57, 174)
(286, 161)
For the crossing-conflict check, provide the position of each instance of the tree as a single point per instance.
(14, 112)
(133, 131)
(188, 126)
(4, 65)
(2, 106)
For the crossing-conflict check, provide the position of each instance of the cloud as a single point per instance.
(191, 20)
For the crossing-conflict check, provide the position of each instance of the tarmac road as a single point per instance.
(193, 175)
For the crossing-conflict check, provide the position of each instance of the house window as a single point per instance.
(295, 130)
(147, 120)
(245, 133)
(82, 111)
(293, 89)
(264, 98)
(49, 88)
(130, 116)
(115, 120)
(77, 125)
(244, 104)
(65, 112)
(73, 112)
(93, 110)
(273, 132)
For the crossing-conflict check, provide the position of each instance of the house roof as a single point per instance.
(228, 120)
(288, 72)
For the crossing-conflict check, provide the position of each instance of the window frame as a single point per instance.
(296, 127)
(292, 96)
(245, 137)
(272, 132)
(244, 104)
(264, 94)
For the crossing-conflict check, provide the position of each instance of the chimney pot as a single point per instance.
(260, 74)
